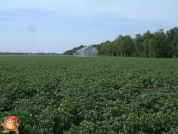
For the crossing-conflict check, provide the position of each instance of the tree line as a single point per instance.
(159, 44)
(21, 53)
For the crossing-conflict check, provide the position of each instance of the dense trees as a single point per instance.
(158, 44)
(172, 40)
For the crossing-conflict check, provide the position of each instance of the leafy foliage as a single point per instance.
(159, 44)
(58, 94)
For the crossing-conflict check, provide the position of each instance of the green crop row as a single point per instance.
(101, 95)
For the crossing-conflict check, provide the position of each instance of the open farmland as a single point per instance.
(101, 95)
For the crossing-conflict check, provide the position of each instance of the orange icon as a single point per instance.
(10, 124)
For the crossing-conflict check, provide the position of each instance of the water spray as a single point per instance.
(86, 51)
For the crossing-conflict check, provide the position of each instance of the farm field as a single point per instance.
(99, 95)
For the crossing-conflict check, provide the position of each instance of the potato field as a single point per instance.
(89, 95)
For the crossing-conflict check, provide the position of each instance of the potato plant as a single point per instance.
(101, 95)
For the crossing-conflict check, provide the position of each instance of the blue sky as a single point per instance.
(59, 25)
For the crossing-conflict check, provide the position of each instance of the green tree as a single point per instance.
(138, 43)
(161, 44)
(172, 38)
(148, 44)
(118, 45)
(127, 45)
